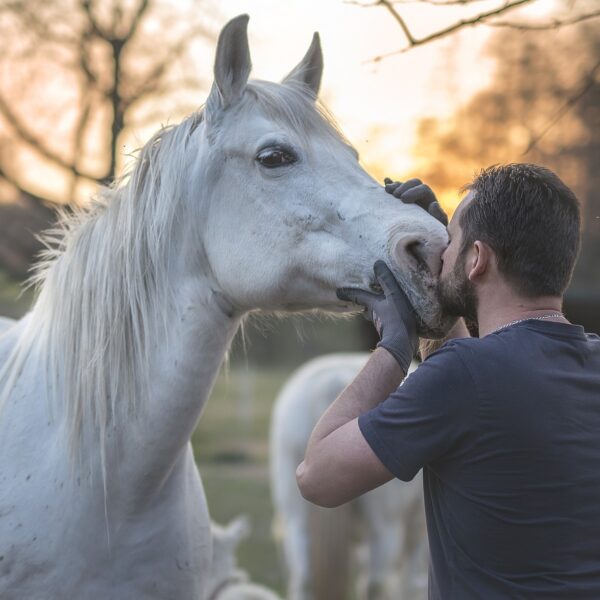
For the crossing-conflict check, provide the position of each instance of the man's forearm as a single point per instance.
(376, 381)
(339, 465)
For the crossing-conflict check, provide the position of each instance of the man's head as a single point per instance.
(525, 219)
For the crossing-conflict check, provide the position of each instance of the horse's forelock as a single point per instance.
(293, 106)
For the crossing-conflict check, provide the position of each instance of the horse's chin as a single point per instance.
(421, 290)
(434, 330)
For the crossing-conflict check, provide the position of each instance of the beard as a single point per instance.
(456, 293)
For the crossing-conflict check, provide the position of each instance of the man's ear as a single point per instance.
(479, 260)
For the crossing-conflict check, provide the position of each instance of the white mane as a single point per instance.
(101, 288)
(102, 280)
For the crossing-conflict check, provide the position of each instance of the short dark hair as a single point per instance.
(531, 220)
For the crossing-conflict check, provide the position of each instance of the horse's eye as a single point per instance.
(275, 157)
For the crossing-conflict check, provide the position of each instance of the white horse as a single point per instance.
(225, 580)
(253, 203)
(317, 542)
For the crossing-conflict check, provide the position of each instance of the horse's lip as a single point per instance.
(372, 288)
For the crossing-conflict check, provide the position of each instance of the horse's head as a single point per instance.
(290, 214)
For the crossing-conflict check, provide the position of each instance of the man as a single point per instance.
(506, 427)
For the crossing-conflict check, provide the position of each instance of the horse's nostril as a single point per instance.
(416, 250)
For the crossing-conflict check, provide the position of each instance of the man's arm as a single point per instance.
(339, 464)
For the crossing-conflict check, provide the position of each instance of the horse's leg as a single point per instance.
(330, 539)
(399, 558)
(385, 531)
(415, 567)
(297, 549)
(292, 510)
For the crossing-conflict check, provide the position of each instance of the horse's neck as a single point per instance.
(183, 370)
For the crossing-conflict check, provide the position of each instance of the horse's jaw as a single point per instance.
(421, 290)
(431, 322)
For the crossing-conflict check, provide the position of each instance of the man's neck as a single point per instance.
(501, 307)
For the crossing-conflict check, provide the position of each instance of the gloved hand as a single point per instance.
(391, 313)
(414, 191)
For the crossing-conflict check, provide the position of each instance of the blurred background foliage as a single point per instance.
(82, 82)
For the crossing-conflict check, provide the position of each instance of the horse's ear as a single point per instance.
(310, 69)
(232, 65)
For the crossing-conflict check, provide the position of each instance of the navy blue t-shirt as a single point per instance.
(507, 431)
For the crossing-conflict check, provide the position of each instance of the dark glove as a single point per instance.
(414, 191)
(391, 313)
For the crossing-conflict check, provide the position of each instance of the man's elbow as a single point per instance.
(313, 490)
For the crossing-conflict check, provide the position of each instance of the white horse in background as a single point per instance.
(255, 202)
(317, 542)
(225, 580)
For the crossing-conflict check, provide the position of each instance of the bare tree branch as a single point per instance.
(136, 19)
(158, 116)
(361, 4)
(430, 2)
(80, 138)
(589, 82)
(487, 18)
(412, 41)
(99, 40)
(557, 23)
(84, 59)
(13, 181)
(87, 6)
(28, 14)
(31, 140)
(118, 110)
(153, 79)
(390, 8)
(163, 88)
(440, 2)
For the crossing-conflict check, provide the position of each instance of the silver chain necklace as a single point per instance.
(542, 318)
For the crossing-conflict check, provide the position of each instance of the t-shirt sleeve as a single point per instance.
(426, 418)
